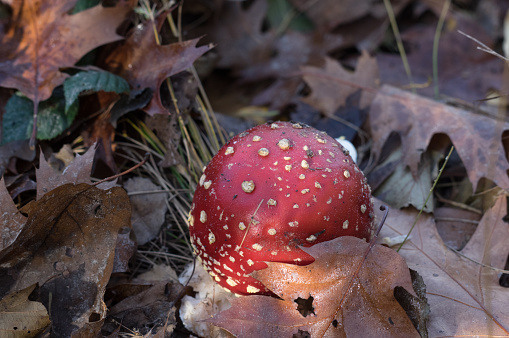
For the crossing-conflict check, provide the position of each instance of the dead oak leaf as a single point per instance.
(464, 293)
(366, 308)
(11, 220)
(21, 317)
(78, 171)
(416, 119)
(67, 246)
(145, 64)
(43, 38)
(332, 84)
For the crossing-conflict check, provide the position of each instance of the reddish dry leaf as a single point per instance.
(44, 38)
(67, 246)
(332, 84)
(465, 297)
(145, 64)
(365, 309)
(477, 138)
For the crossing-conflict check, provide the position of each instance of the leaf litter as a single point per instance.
(66, 245)
(271, 62)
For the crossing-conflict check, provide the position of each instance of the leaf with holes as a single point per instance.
(68, 241)
(463, 288)
(328, 297)
(477, 138)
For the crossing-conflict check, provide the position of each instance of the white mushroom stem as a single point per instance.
(348, 146)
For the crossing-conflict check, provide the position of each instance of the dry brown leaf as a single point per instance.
(238, 34)
(44, 38)
(11, 221)
(329, 14)
(329, 306)
(78, 171)
(465, 297)
(332, 84)
(150, 310)
(416, 119)
(148, 209)
(20, 317)
(68, 247)
(145, 64)
(464, 72)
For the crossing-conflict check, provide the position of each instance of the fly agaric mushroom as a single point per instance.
(271, 189)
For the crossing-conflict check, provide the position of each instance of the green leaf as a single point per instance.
(282, 15)
(92, 81)
(81, 5)
(51, 118)
(17, 119)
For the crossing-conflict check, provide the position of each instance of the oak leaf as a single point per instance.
(416, 119)
(332, 84)
(43, 38)
(463, 290)
(146, 64)
(68, 241)
(21, 317)
(67, 246)
(323, 300)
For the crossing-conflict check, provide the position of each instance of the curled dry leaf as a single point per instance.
(67, 246)
(465, 296)
(335, 306)
(416, 119)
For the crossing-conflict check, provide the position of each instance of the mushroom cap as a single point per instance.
(269, 190)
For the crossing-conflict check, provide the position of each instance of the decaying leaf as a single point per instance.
(11, 221)
(334, 307)
(332, 84)
(130, 62)
(477, 138)
(44, 38)
(78, 171)
(20, 317)
(67, 246)
(463, 291)
(150, 310)
(149, 208)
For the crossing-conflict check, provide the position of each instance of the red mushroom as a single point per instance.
(268, 191)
